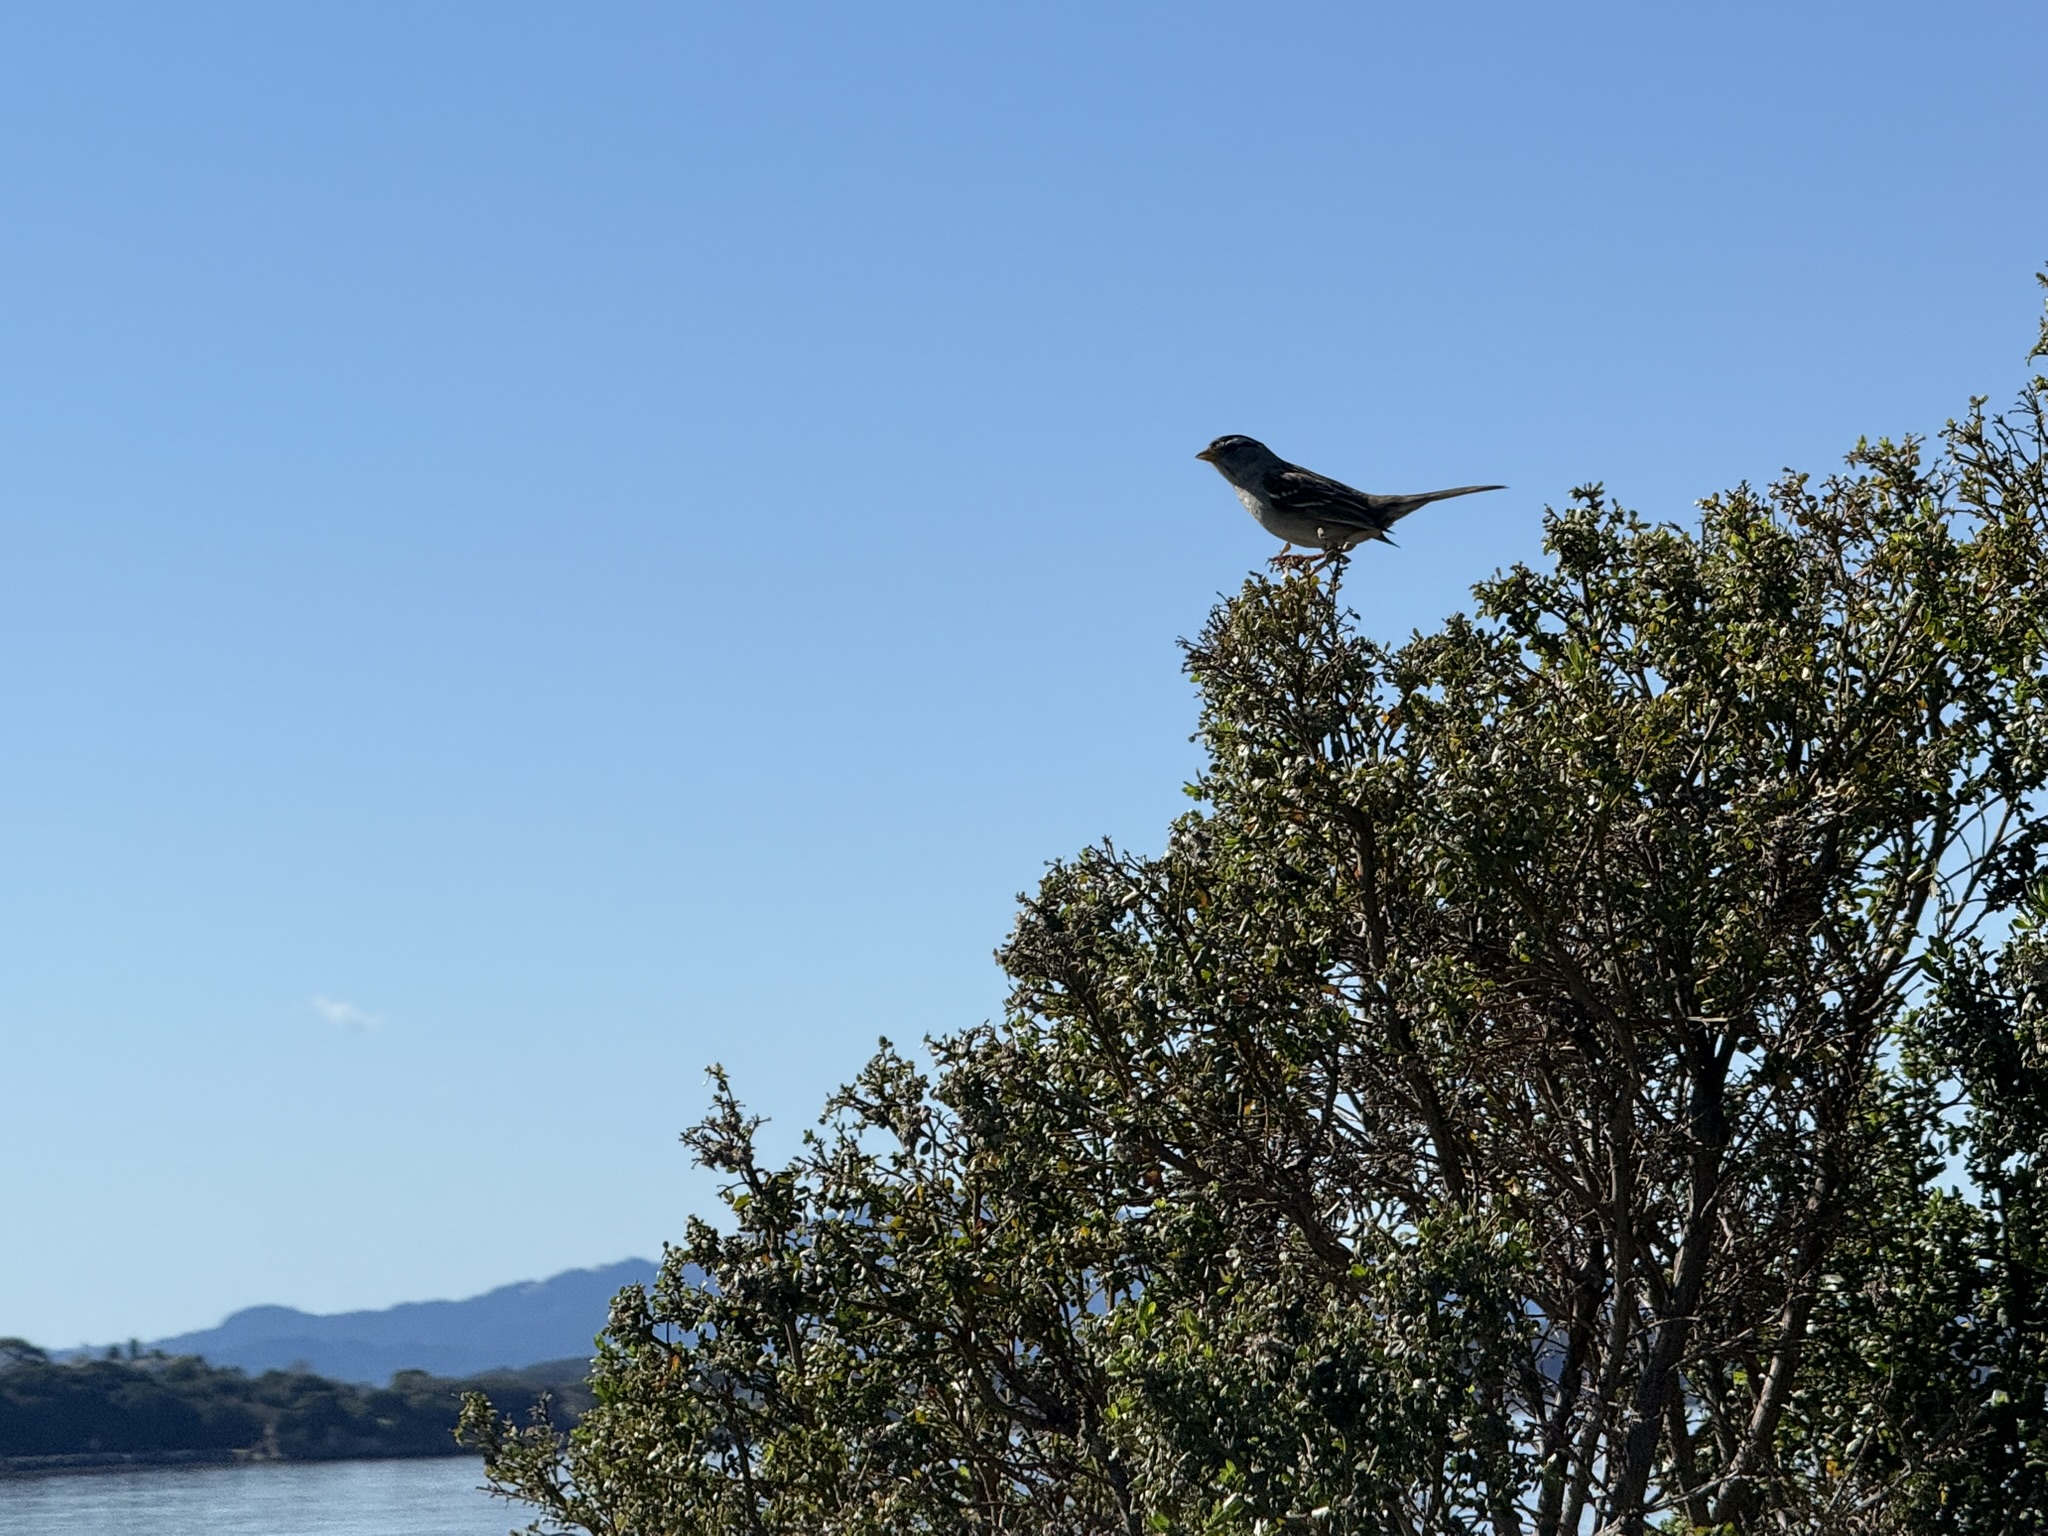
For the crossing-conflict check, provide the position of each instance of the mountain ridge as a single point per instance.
(511, 1327)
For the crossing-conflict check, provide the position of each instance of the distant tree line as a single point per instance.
(179, 1408)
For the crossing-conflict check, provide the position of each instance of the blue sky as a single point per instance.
(542, 547)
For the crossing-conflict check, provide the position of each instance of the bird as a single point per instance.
(1303, 507)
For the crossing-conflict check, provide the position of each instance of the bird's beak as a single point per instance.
(1206, 456)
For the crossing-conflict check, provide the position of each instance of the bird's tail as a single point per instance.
(1399, 507)
(1462, 490)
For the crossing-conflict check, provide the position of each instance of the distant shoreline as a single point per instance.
(97, 1415)
(120, 1461)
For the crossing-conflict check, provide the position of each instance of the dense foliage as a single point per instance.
(1526, 1094)
(167, 1408)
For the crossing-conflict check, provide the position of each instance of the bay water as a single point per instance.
(433, 1497)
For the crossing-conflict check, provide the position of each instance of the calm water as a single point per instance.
(337, 1498)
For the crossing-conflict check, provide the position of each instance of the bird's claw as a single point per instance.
(1324, 560)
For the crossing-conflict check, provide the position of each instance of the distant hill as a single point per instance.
(506, 1329)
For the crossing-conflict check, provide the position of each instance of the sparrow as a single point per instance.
(1303, 507)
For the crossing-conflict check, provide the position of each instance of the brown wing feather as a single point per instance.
(1308, 494)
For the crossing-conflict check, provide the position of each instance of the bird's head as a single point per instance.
(1238, 456)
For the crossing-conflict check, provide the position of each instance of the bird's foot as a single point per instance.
(1286, 562)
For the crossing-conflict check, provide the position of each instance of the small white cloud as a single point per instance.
(346, 1015)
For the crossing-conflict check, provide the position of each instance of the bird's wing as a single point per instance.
(1332, 502)
(1307, 494)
